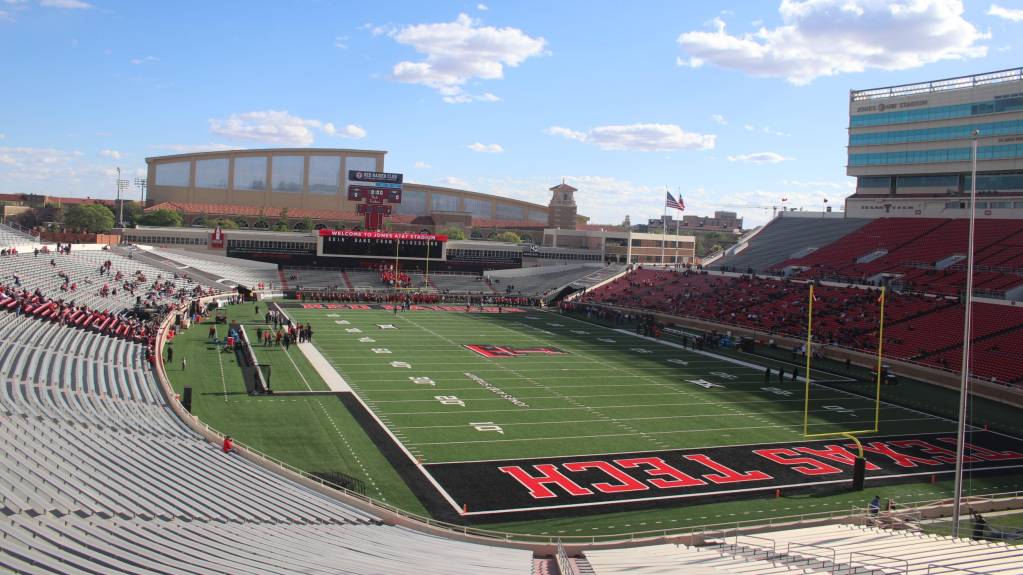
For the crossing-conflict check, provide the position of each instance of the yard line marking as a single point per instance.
(566, 398)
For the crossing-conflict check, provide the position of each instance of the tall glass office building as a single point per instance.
(912, 142)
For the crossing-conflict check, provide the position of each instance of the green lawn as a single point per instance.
(609, 392)
(315, 434)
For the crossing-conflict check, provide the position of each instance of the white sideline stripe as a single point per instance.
(783, 427)
(328, 374)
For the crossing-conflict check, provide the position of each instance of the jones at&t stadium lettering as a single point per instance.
(551, 483)
(497, 390)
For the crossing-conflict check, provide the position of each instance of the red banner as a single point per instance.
(382, 235)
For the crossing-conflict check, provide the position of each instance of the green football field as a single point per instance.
(578, 388)
(597, 397)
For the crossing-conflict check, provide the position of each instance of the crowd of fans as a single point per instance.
(413, 298)
(843, 316)
(393, 278)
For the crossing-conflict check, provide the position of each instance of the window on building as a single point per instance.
(286, 173)
(324, 174)
(509, 212)
(444, 203)
(413, 203)
(880, 182)
(479, 208)
(175, 174)
(250, 173)
(359, 163)
(211, 173)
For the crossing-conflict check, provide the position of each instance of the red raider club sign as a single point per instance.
(691, 474)
(217, 239)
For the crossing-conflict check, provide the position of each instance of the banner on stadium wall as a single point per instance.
(382, 235)
(217, 239)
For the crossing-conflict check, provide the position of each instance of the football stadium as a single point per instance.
(320, 366)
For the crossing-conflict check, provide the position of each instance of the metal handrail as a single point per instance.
(827, 551)
(852, 562)
(943, 85)
(952, 569)
(565, 564)
(773, 544)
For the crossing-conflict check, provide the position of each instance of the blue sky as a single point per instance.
(735, 105)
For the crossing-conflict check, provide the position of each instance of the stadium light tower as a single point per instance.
(141, 184)
(965, 376)
(122, 186)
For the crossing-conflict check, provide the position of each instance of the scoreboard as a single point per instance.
(382, 245)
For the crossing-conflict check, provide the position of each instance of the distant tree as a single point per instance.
(92, 218)
(508, 237)
(452, 233)
(305, 225)
(282, 222)
(162, 218)
(224, 223)
(132, 212)
(261, 222)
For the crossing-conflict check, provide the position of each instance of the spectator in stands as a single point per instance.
(228, 445)
(875, 505)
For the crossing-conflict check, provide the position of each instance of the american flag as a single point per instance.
(671, 203)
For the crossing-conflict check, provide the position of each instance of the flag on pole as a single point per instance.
(671, 203)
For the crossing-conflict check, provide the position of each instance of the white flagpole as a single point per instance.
(664, 228)
(677, 222)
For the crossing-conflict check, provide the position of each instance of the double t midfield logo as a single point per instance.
(507, 351)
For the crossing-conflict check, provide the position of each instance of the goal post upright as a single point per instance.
(859, 466)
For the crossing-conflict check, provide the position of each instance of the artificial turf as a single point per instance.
(606, 392)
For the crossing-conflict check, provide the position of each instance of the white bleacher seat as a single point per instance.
(97, 475)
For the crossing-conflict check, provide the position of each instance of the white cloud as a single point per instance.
(341, 42)
(146, 60)
(459, 51)
(486, 148)
(454, 182)
(71, 4)
(3, 136)
(114, 154)
(465, 98)
(719, 119)
(829, 37)
(348, 131)
(639, 137)
(42, 170)
(1010, 14)
(422, 165)
(759, 158)
(5, 16)
(279, 127)
(482, 7)
(690, 63)
(566, 133)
